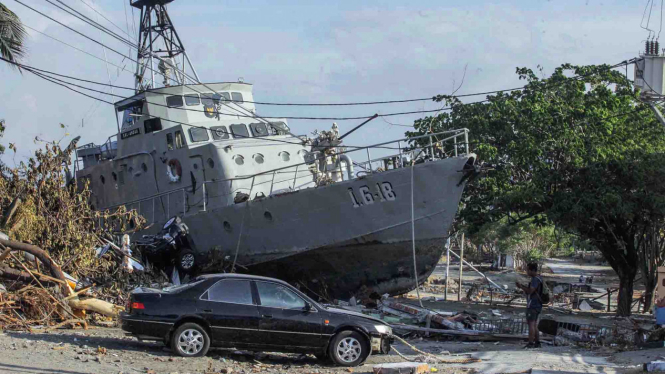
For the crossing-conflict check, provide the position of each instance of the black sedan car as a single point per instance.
(252, 313)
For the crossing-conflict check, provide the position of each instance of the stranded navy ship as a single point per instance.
(273, 203)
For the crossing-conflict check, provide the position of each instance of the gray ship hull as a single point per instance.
(337, 239)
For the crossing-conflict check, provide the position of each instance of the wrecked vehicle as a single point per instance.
(172, 246)
(253, 313)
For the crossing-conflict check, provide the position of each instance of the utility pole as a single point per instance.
(445, 295)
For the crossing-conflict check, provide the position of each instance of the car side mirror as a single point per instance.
(308, 307)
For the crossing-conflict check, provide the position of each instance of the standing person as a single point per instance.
(534, 304)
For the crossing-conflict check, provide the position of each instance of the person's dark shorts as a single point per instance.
(532, 314)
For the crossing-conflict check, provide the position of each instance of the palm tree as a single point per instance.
(12, 35)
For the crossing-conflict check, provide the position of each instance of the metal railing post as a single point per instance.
(431, 148)
(168, 205)
(466, 140)
(204, 196)
(399, 156)
(184, 202)
(369, 160)
(272, 183)
(295, 177)
(455, 144)
(153, 210)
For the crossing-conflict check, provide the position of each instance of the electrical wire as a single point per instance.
(78, 49)
(108, 20)
(75, 13)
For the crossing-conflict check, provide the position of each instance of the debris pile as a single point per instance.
(52, 269)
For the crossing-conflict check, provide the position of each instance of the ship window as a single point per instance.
(153, 124)
(169, 141)
(258, 158)
(279, 128)
(211, 163)
(115, 176)
(192, 100)
(198, 134)
(239, 131)
(225, 96)
(239, 159)
(259, 129)
(179, 140)
(237, 97)
(219, 132)
(285, 156)
(212, 98)
(174, 101)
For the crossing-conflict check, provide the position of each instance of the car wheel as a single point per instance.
(190, 340)
(348, 348)
(186, 261)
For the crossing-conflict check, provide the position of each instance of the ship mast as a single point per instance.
(161, 55)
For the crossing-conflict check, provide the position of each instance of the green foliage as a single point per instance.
(54, 215)
(12, 35)
(580, 152)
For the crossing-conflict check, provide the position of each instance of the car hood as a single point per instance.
(354, 314)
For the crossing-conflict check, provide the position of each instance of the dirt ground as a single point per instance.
(109, 351)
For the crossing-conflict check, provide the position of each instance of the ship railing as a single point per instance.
(161, 206)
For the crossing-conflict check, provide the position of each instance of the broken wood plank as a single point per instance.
(468, 333)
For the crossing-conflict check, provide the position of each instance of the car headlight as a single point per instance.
(383, 329)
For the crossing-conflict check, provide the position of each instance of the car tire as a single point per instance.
(186, 261)
(190, 340)
(348, 348)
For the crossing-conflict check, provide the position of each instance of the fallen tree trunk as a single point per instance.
(95, 305)
(13, 274)
(43, 256)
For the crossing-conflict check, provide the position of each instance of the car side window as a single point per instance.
(230, 291)
(275, 296)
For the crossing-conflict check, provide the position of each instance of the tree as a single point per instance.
(12, 35)
(557, 151)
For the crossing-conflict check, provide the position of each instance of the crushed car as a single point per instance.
(252, 313)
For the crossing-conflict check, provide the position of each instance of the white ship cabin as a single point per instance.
(173, 139)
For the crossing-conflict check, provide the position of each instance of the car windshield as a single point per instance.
(182, 287)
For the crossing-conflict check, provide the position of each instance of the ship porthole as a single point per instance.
(285, 156)
(239, 159)
(211, 163)
(101, 178)
(115, 176)
(144, 167)
(258, 158)
(196, 166)
(267, 215)
(227, 226)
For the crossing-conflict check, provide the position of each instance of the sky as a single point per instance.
(308, 52)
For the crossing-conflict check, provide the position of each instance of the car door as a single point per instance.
(285, 322)
(230, 309)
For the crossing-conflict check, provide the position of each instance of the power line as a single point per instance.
(78, 49)
(89, 21)
(109, 21)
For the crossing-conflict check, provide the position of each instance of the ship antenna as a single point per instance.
(159, 47)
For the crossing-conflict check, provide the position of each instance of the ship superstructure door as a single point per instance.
(196, 191)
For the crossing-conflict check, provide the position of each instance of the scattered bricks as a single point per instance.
(401, 368)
